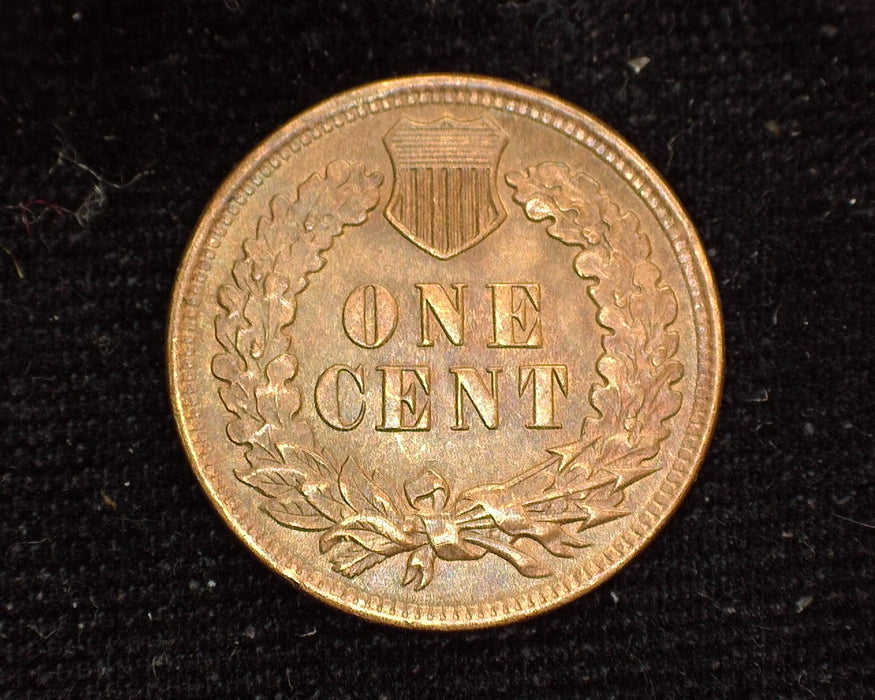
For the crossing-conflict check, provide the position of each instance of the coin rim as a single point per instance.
(443, 82)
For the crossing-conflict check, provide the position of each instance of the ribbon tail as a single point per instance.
(420, 568)
(525, 564)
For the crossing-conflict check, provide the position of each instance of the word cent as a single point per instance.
(370, 317)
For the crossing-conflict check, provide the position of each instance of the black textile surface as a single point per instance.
(117, 122)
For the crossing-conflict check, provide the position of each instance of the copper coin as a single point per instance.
(445, 352)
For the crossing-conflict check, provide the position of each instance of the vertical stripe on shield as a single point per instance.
(444, 207)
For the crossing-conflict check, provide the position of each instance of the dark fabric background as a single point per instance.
(117, 122)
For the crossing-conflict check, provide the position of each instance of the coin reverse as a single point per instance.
(445, 352)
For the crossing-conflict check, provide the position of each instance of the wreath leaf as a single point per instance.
(296, 513)
(361, 492)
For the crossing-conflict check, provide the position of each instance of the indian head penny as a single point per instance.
(445, 352)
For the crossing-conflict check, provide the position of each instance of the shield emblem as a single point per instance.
(444, 198)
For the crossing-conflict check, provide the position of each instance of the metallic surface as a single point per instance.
(445, 352)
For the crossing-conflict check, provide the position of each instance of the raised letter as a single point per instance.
(544, 378)
(484, 400)
(370, 315)
(406, 405)
(327, 396)
(434, 300)
(516, 319)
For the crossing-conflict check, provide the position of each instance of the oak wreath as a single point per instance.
(364, 520)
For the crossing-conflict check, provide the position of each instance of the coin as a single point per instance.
(445, 352)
